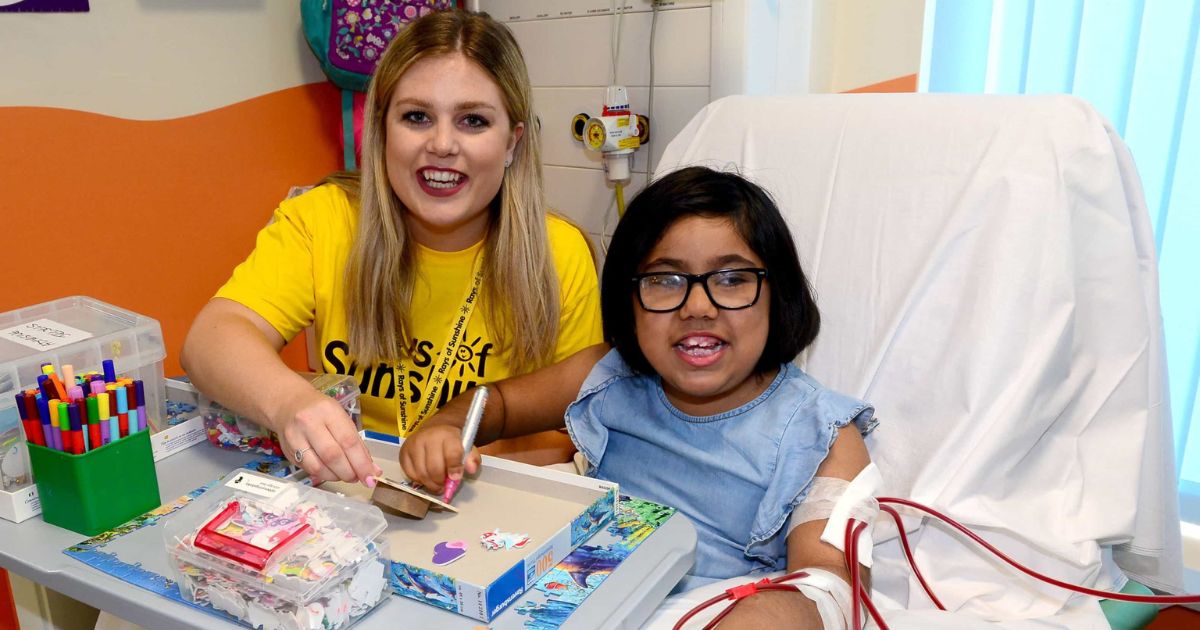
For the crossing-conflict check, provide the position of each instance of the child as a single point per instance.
(697, 405)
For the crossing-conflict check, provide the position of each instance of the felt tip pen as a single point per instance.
(140, 389)
(27, 421)
(60, 390)
(474, 416)
(43, 418)
(46, 387)
(68, 375)
(110, 372)
(89, 414)
(78, 425)
(131, 397)
(72, 439)
(52, 431)
(122, 409)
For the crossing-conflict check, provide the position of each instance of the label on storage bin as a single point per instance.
(44, 334)
(254, 484)
(177, 437)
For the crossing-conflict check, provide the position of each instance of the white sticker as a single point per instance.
(44, 334)
(254, 484)
(177, 437)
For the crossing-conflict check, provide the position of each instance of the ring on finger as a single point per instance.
(300, 453)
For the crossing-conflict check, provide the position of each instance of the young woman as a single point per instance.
(434, 270)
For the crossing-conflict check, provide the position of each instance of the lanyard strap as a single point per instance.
(438, 379)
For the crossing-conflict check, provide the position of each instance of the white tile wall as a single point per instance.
(578, 51)
(582, 195)
(567, 47)
(556, 106)
(525, 10)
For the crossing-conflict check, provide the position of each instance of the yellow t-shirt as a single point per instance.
(295, 278)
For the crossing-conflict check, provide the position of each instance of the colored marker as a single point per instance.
(90, 442)
(143, 419)
(93, 421)
(31, 404)
(68, 375)
(54, 436)
(53, 432)
(43, 411)
(47, 368)
(77, 426)
(46, 387)
(60, 391)
(23, 411)
(474, 415)
(122, 410)
(69, 439)
(110, 373)
(131, 397)
(97, 385)
(106, 427)
(62, 426)
(77, 429)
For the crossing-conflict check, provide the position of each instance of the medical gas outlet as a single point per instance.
(615, 133)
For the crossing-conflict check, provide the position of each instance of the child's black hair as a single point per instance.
(700, 191)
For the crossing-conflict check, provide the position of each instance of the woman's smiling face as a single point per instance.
(705, 355)
(448, 137)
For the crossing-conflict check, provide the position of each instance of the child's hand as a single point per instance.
(434, 452)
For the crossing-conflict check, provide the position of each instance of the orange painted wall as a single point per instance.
(152, 215)
(907, 83)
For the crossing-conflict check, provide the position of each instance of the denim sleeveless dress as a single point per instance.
(736, 475)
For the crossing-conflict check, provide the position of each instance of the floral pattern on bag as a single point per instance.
(362, 29)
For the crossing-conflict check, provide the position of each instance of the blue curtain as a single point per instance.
(1136, 62)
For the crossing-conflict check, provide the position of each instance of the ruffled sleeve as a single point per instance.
(803, 445)
(585, 416)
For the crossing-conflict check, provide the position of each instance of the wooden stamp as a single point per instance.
(406, 499)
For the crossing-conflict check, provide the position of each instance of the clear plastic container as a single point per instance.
(81, 332)
(279, 554)
(228, 430)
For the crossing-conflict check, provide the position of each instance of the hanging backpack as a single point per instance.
(348, 37)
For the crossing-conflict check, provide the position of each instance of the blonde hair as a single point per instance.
(520, 287)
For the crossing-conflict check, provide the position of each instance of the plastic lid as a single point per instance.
(77, 330)
(273, 535)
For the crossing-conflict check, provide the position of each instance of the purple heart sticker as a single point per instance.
(449, 551)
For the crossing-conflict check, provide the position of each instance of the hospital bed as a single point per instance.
(986, 276)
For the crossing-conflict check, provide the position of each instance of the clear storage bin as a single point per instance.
(279, 554)
(227, 429)
(81, 332)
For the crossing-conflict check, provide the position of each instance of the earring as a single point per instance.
(507, 162)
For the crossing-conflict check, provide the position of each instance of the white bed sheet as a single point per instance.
(986, 277)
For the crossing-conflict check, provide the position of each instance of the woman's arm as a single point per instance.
(517, 406)
(232, 355)
(786, 609)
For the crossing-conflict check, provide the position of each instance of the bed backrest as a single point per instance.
(986, 277)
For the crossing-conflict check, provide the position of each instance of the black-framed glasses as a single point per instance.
(728, 289)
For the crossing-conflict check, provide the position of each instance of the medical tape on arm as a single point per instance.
(839, 501)
(830, 593)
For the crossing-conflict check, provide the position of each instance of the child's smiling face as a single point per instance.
(705, 355)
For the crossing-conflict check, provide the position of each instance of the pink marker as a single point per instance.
(474, 416)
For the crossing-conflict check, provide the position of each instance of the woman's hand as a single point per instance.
(232, 355)
(434, 452)
(317, 435)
